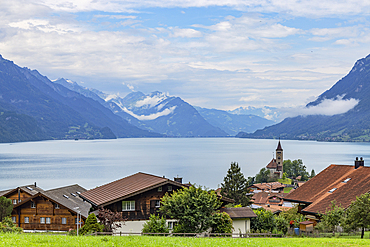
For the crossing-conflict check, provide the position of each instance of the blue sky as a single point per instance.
(214, 54)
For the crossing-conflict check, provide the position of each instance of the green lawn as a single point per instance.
(135, 241)
(285, 181)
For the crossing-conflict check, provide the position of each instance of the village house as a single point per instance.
(137, 196)
(50, 210)
(340, 183)
(241, 218)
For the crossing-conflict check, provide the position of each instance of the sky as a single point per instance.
(211, 53)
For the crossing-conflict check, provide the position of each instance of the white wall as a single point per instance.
(134, 226)
(241, 226)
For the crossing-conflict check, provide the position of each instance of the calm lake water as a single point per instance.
(203, 161)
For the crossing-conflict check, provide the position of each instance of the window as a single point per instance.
(33, 204)
(66, 196)
(64, 221)
(14, 201)
(332, 190)
(169, 187)
(345, 181)
(73, 194)
(160, 189)
(157, 203)
(128, 205)
(42, 220)
(14, 219)
(171, 224)
(56, 206)
(26, 220)
(48, 220)
(29, 188)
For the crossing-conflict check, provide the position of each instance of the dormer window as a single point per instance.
(332, 190)
(345, 181)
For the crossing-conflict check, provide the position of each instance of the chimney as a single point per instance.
(179, 180)
(35, 184)
(359, 163)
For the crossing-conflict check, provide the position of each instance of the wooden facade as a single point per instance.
(41, 213)
(146, 203)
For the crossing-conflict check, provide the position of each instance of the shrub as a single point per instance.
(155, 224)
(91, 225)
(222, 223)
(7, 225)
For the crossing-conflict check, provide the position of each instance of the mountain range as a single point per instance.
(352, 125)
(32, 107)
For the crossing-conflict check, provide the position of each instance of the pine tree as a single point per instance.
(235, 186)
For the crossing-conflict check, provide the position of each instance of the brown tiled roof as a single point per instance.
(272, 164)
(275, 208)
(29, 189)
(239, 213)
(124, 188)
(307, 222)
(268, 186)
(263, 198)
(315, 192)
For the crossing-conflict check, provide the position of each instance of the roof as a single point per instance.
(279, 146)
(275, 209)
(56, 196)
(332, 184)
(124, 188)
(29, 189)
(239, 213)
(272, 164)
(269, 186)
(307, 222)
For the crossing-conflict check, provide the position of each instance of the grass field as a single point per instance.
(54, 240)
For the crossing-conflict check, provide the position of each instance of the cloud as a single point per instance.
(327, 107)
(153, 116)
(185, 33)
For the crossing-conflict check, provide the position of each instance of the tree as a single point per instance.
(7, 225)
(110, 220)
(6, 207)
(193, 207)
(263, 176)
(282, 224)
(358, 213)
(333, 217)
(91, 225)
(222, 223)
(264, 222)
(235, 186)
(295, 168)
(155, 224)
(313, 173)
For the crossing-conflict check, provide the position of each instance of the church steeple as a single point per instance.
(279, 146)
(279, 158)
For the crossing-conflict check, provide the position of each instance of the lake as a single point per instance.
(203, 161)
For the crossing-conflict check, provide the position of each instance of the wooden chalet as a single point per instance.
(51, 210)
(340, 183)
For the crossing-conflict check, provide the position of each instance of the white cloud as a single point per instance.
(153, 116)
(327, 107)
(185, 33)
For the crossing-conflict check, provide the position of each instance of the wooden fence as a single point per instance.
(206, 235)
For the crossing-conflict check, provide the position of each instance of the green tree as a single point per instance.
(155, 224)
(264, 222)
(358, 214)
(222, 223)
(193, 207)
(293, 215)
(235, 186)
(313, 173)
(6, 207)
(333, 217)
(91, 225)
(282, 224)
(263, 176)
(295, 168)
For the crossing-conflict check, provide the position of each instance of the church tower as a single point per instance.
(279, 159)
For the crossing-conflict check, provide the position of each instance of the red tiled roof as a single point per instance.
(315, 192)
(124, 188)
(235, 213)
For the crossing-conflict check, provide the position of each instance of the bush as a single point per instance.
(264, 222)
(155, 225)
(91, 225)
(7, 225)
(222, 223)
(282, 225)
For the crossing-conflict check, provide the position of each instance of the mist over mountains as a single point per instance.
(341, 113)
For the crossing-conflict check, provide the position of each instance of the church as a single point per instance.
(276, 164)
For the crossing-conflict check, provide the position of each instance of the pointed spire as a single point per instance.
(279, 146)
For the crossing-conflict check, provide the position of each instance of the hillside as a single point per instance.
(46, 110)
(353, 125)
